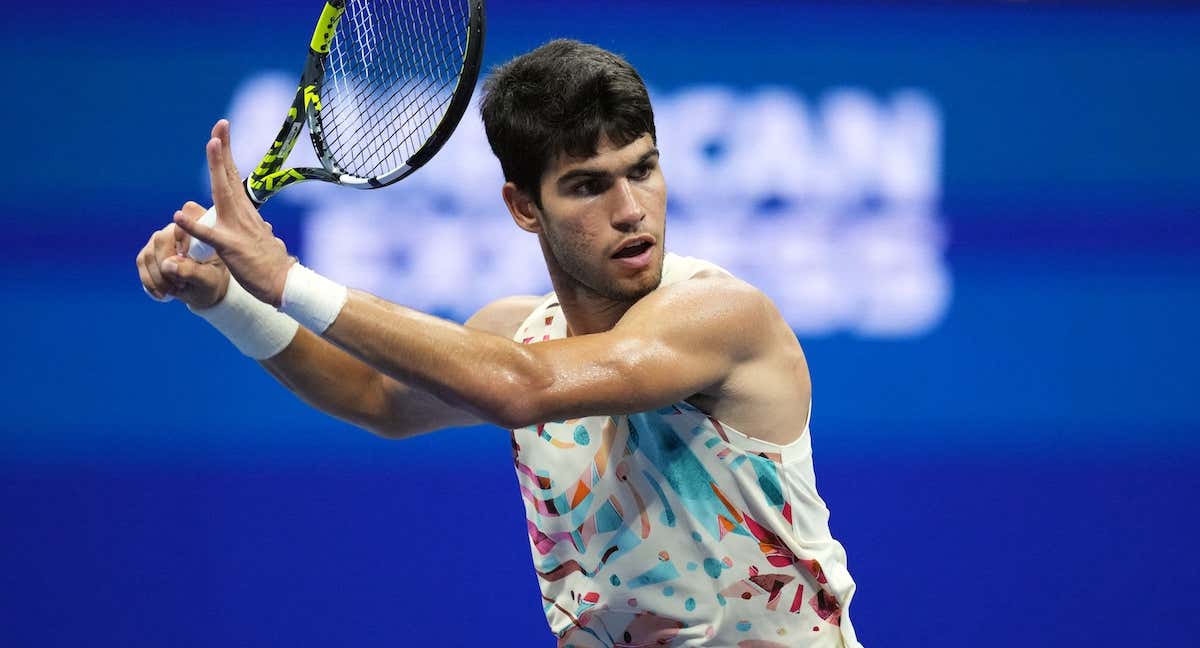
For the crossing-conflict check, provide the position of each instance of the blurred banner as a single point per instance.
(831, 209)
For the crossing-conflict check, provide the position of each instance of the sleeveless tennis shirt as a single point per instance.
(669, 528)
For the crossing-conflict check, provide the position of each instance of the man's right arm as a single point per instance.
(344, 387)
(317, 371)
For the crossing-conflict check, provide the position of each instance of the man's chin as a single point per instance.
(635, 288)
(630, 294)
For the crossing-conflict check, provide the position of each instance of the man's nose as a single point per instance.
(628, 211)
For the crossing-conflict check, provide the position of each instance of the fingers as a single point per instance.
(186, 271)
(218, 238)
(161, 245)
(223, 196)
(183, 271)
(182, 238)
(153, 283)
(192, 210)
(229, 196)
(161, 285)
(222, 131)
(144, 275)
(200, 284)
(180, 269)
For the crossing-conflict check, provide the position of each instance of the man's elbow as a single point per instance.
(390, 431)
(514, 397)
(514, 415)
(511, 408)
(519, 402)
(384, 427)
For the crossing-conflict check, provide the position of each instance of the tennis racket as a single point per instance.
(384, 85)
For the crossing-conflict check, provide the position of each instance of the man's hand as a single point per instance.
(242, 239)
(164, 271)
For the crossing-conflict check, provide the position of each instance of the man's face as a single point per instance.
(603, 218)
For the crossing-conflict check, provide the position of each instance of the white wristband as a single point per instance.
(255, 328)
(311, 299)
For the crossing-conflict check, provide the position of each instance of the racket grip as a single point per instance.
(197, 249)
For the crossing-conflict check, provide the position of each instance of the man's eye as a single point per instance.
(589, 188)
(641, 172)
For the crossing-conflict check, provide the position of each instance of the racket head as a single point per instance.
(394, 84)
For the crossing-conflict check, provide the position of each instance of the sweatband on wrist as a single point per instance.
(311, 299)
(256, 329)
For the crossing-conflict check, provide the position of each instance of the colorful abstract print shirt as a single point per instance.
(667, 528)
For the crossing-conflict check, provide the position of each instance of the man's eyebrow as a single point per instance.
(646, 156)
(581, 173)
(576, 174)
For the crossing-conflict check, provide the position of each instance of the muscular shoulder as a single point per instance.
(504, 316)
(710, 308)
(765, 388)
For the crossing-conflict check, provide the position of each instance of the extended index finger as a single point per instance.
(218, 238)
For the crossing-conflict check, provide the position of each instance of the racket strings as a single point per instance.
(390, 75)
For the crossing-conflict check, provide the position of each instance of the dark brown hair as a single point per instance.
(561, 98)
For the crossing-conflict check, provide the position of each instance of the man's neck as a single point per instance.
(586, 311)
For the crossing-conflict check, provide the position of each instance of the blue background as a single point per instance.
(1023, 474)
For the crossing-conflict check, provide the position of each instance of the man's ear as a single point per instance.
(524, 211)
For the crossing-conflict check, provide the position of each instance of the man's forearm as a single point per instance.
(335, 382)
(328, 379)
(473, 370)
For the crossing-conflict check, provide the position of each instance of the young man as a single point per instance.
(659, 406)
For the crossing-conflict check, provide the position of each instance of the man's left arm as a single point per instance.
(672, 344)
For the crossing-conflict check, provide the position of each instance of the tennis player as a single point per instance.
(659, 406)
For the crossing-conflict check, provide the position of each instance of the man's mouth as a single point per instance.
(632, 250)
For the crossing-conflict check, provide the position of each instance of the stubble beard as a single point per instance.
(572, 258)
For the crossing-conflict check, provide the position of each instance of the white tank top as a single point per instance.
(669, 528)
